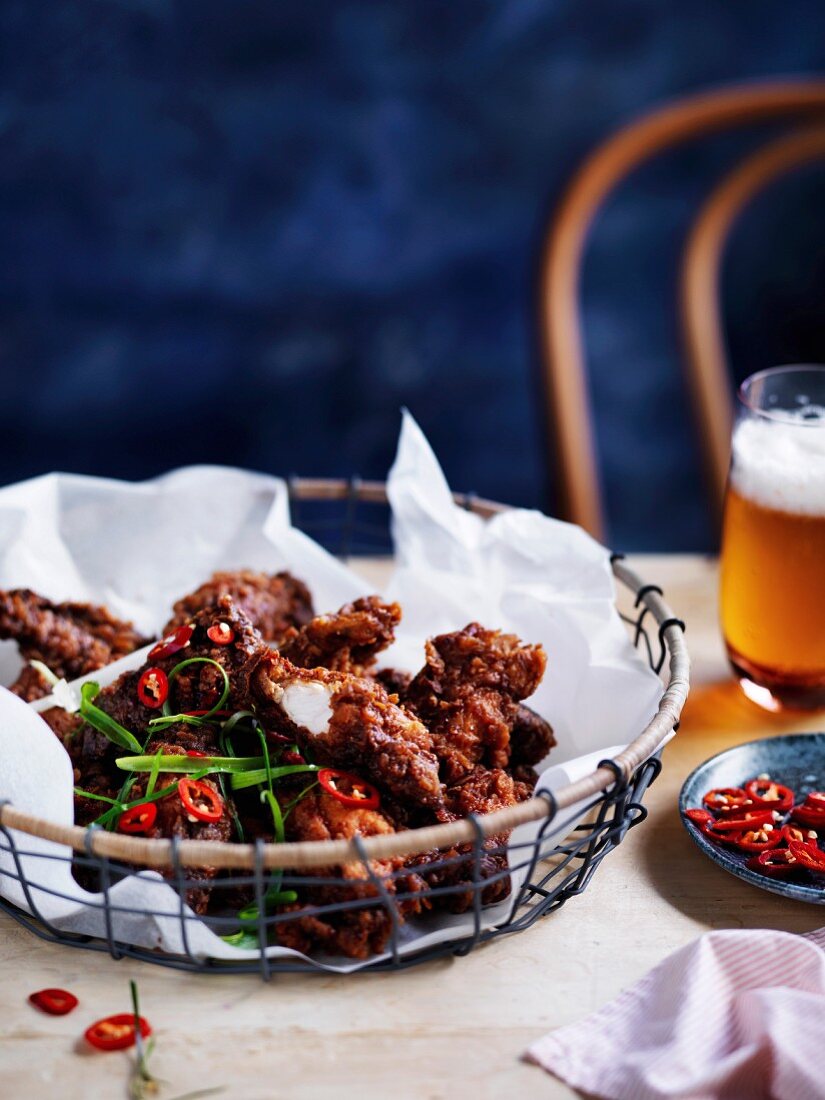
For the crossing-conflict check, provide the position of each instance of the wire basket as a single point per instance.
(351, 518)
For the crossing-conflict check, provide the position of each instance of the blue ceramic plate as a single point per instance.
(798, 761)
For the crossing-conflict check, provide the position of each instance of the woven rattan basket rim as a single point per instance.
(328, 853)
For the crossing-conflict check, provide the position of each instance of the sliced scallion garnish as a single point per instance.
(187, 764)
(103, 722)
(255, 778)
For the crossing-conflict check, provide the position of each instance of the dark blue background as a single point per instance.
(249, 232)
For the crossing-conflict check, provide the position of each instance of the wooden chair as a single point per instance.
(569, 419)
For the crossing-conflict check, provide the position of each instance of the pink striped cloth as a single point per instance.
(736, 1015)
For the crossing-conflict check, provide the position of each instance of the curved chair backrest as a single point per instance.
(569, 420)
(708, 373)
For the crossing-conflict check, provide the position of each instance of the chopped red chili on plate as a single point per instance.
(725, 800)
(765, 792)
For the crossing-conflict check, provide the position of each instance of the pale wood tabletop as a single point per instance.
(447, 1029)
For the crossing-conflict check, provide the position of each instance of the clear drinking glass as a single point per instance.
(773, 539)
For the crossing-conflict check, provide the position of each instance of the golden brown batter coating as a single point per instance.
(71, 639)
(482, 791)
(350, 722)
(468, 694)
(347, 641)
(274, 603)
(356, 932)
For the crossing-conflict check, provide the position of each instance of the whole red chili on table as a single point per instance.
(116, 1032)
(350, 791)
(199, 800)
(153, 688)
(56, 1002)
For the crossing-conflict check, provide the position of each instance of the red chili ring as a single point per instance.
(172, 643)
(138, 819)
(56, 1002)
(221, 633)
(153, 688)
(330, 779)
(192, 789)
(116, 1032)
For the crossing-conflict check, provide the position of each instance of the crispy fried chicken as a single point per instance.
(71, 639)
(274, 604)
(347, 641)
(468, 693)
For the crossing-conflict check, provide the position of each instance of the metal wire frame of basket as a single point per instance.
(548, 874)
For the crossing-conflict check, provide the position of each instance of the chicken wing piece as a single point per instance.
(349, 722)
(358, 931)
(70, 638)
(468, 693)
(274, 603)
(482, 791)
(346, 641)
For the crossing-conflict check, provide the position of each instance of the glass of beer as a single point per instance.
(773, 539)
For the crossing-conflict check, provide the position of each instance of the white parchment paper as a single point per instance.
(138, 547)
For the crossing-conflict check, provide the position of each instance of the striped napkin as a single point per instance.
(736, 1015)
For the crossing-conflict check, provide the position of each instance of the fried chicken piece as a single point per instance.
(481, 792)
(531, 739)
(468, 693)
(350, 722)
(274, 604)
(346, 641)
(70, 638)
(173, 820)
(359, 931)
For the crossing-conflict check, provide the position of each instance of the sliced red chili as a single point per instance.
(292, 758)
(759, 839)
(349, 789)
(138, 819)
(195, 752)
(775, 863)
(800, 836)
(816, 800)
(712, 832)
(172, 643)
(725, 800)
(749, 820)
(808, 856)
(809, 815)
(200, 800)
(153, 688)
(765, 792)
(221, 633)
(57, 1002)
(116, 1032)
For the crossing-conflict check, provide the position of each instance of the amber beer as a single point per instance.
(773, 558)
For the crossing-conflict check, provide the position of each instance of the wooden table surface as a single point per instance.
(450, 1028)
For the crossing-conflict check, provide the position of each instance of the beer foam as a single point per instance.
(780, 463)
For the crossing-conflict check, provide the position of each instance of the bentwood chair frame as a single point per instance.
(562, 344)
